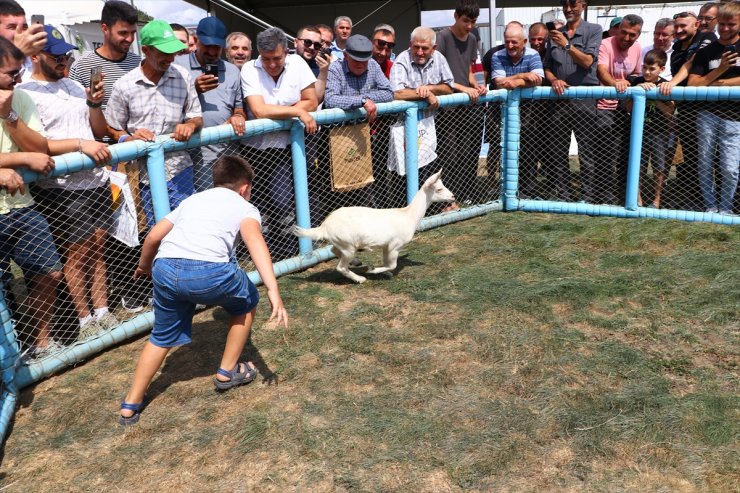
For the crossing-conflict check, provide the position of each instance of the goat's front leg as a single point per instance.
(390, 260)
(345, 256)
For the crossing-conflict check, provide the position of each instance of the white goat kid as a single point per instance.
(350, 229)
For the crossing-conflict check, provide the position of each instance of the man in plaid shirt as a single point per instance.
(158, 98)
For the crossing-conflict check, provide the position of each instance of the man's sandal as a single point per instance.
(236, 377)
(134, 418)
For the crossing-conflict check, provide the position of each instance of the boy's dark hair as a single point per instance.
(232, 172)
(116, 10)
(11, 7)
(9, 51)
(654, 57)
(469, 8)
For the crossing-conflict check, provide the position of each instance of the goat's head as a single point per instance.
(435, 187)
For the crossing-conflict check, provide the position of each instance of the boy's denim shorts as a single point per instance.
(180, 284)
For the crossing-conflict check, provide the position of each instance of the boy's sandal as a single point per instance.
(236, 377)
(134, 418)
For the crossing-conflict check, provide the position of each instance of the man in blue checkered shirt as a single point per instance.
(357, 81)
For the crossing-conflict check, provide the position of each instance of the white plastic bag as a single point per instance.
(125, 226)
(426, 142)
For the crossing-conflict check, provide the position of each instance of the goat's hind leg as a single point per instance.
(390, 260)
(345, 256)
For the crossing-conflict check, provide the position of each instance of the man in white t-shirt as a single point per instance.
(279, 86)
(662, 40)
(77, 206)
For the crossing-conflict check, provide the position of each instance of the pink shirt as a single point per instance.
(620, 64)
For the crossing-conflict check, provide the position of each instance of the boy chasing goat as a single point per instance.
(190, 256)
(350, 229)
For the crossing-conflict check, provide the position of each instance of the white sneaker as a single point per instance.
(108, 321)
(53, 346)
(90, 329)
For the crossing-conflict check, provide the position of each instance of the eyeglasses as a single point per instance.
(707, 18)
(682, 15)
(383, 44)
(308, 43)
(59, 59)
(14, 74)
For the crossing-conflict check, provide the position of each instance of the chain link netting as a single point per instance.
(571, 150)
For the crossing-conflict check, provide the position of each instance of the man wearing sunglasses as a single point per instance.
(308, 45)
(384, 40)
(571, 60)
(708, 17)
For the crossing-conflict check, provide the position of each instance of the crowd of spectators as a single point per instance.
(191, 79)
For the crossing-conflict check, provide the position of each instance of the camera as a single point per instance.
(326, 52)
(550, 26)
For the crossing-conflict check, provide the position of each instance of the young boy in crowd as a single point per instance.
(658, 130)
(190, 257)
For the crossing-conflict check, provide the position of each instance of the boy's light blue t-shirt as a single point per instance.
(205, 226)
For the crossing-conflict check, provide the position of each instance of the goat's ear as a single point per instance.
(436, 176)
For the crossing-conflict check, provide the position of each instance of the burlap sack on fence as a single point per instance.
(351, 159)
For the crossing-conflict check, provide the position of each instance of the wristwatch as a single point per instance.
(567, 47)
(12, 117)
(363, 101)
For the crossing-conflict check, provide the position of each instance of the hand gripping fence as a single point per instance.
(511, 151)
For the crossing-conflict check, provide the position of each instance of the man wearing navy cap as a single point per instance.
(220, 95)
(355, 82)
(77, 206)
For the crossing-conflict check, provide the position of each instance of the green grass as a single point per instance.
(513, 352)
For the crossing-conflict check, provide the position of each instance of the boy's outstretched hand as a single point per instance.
(278, 309)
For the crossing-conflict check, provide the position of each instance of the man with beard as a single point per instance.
(77, 206)
(308, 44)
(220, 95)
(118, 23)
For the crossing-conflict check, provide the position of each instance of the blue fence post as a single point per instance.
(8, 358)
(157, 180)
(635, 154)
(510, 161)
(411, 137)
(300, 182)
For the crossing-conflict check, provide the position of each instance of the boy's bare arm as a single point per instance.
(252, 236)
(150, 247)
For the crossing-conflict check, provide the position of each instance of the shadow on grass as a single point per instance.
(201, 357)
(330, 274)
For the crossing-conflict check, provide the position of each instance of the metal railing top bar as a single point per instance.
(602, 92)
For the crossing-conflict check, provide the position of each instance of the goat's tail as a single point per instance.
(313, 233)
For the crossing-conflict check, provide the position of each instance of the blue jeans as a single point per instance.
(25, 237)
(179, 188)
(713, 130)
(180, 284)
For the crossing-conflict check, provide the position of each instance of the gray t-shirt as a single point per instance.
(460, 55)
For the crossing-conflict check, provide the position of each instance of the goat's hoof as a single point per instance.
(361, 280)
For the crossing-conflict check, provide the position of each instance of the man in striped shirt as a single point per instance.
(118, 23)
